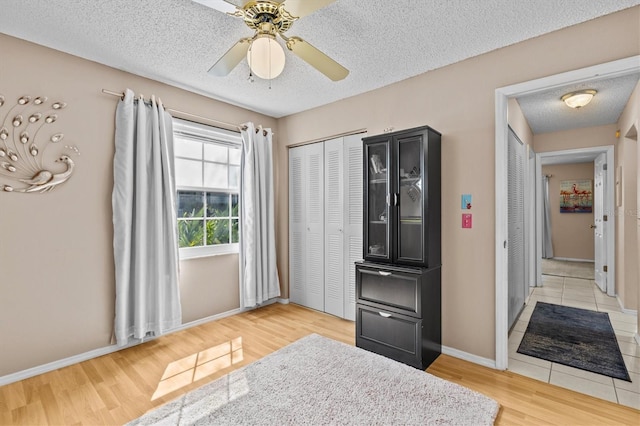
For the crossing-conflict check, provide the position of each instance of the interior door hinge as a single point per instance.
(605, 269)
(605, 218)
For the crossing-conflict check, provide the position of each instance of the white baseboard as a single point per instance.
(65, 362)
(208, 319)
(569, 259)
(456, 353)
(623, 309)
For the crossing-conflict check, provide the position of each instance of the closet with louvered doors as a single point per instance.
(325, 224)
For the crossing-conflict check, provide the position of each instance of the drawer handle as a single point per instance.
(384, 273)
(384, 314)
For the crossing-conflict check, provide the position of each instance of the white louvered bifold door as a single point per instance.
(297, 225)
(325, 224)
(353, 208)
(334, 228)
(516, 228)
(314, 246)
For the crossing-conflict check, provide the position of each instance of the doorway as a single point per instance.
(605, 251)
(610, 69)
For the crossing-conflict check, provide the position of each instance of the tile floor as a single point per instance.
(580, 293)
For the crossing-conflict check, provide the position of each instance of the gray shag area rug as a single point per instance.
(319, 381)
(575, 337)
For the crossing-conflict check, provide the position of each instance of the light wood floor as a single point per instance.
(119, 387)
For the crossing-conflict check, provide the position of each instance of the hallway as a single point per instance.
(571, 284)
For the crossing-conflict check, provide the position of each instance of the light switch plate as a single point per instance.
(466, 202)
(466, 220)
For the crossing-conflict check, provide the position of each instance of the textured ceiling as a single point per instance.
(545, 111)
(380, 42)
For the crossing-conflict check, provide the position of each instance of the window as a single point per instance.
(207, 161)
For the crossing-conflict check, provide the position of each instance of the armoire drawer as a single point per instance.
(390, 334)
(395, 289)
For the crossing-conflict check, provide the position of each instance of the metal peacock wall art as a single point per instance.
(23, 142)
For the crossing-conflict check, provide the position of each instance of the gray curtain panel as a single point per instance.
(144, 222)
(258, 271)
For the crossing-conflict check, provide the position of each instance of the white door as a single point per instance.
(297, 225)
(516, 227)
(343, 223)
(600, 224)
(325, 224)
(314, 247)
(353, 209)
(306, 225)
(334, 227)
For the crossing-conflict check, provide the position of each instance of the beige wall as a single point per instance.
(56, 250)
(627, 274)
(571, 236)
(587, 137)
(459, 101)
(56, 263)
(518, 123)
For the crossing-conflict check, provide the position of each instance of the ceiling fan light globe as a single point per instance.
(266, 58)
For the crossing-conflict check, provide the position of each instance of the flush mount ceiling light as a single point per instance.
(578, 99)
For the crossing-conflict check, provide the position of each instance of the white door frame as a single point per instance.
(533, 185)
(570, 155)
(607, 70)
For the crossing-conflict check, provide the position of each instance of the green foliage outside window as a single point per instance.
(191, 226)
(190, 233)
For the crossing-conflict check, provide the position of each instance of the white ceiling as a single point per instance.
(380, 42)
(584, 156)
(545, 111)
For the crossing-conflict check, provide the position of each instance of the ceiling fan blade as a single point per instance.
(231, 59)
(219, 5)
(300, 8)
(316, 58)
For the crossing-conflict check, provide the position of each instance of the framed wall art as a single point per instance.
(576, 196)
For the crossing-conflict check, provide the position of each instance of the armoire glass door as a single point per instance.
(410, 194)
(378, 197)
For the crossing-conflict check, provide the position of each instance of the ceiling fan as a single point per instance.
(269, 19)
